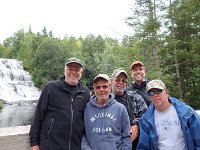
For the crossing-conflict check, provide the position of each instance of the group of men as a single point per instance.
(142, 116)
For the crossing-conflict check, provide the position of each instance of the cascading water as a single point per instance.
(18, 92)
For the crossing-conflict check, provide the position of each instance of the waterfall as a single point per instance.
(19, 93)
(15, 82)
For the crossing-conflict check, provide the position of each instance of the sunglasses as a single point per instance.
(98, 87)
(155, 91)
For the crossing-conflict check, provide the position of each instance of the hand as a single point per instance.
(35, 147)
(134, 132)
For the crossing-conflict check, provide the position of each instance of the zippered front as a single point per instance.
(58, 120)
(72, 115)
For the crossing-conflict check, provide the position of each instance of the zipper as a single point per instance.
(50, 125)
(72, 115)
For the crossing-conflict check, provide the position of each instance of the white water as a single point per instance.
(19, 93)
(15, 82)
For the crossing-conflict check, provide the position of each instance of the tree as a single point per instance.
(146, 25)
(185, 28)
(4, 51)
(92, 47)
(26, 52)
(14, 43)
(48, 62)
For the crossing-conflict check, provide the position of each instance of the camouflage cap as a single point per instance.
(155, 84)
(74, 60)
(118, 71)
(103, 76)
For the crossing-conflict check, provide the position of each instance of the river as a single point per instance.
(17, 113)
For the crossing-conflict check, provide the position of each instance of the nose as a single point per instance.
(73, 71)
(101, 88)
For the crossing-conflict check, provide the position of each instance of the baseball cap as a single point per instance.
(155, 84)
(118, 71)
(136, 63)
(102, 76)
(74, 60)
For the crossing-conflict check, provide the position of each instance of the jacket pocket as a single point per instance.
(50, 127)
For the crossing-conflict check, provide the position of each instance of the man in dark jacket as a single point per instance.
(139, 83)
(133, 102)
(58, 121)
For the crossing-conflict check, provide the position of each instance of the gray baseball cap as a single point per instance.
(118, 71)
(103, 76)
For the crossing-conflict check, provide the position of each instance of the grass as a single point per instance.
(1, 103)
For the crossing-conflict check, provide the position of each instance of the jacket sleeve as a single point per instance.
(194, 126)
(144, 140)
(38, 118)
(85, 144)
(126, 131)
(141, 108)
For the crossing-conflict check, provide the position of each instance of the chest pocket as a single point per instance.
(79, 102)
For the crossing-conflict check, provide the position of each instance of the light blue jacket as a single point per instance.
(190, 124)
(107, 127)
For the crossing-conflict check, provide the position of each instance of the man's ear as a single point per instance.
(82, 70)
(167, 92)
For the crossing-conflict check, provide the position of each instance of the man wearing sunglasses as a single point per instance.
(133, 102)
(168, 123)
(106, 121)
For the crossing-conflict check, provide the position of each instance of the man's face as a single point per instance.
(138, 73)
(158, 97)
(119, 83)
(102, 89)
(73, 73)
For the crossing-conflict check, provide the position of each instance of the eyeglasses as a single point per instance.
(123, 81)
(155, 91)
(98, 87)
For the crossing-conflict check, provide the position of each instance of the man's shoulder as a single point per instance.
(53, 83)
(133, 94)
(181, 106)
(83, 87)
(117, 104)
(131, 87)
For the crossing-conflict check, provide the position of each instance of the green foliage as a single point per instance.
(26, 52)
(1, 104)
(174, 56)
(4, 52)
(166, 50)
(92, 47)
(185, 15)
(48, 62)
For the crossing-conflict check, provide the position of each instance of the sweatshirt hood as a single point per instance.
(93, 101)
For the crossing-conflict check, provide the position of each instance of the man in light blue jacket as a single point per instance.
(168, 124)
(107, 124)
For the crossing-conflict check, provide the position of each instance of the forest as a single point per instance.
(166, 37)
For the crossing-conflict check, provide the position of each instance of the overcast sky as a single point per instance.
(66, 17)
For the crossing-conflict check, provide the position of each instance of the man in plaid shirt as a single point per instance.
(133, 102)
